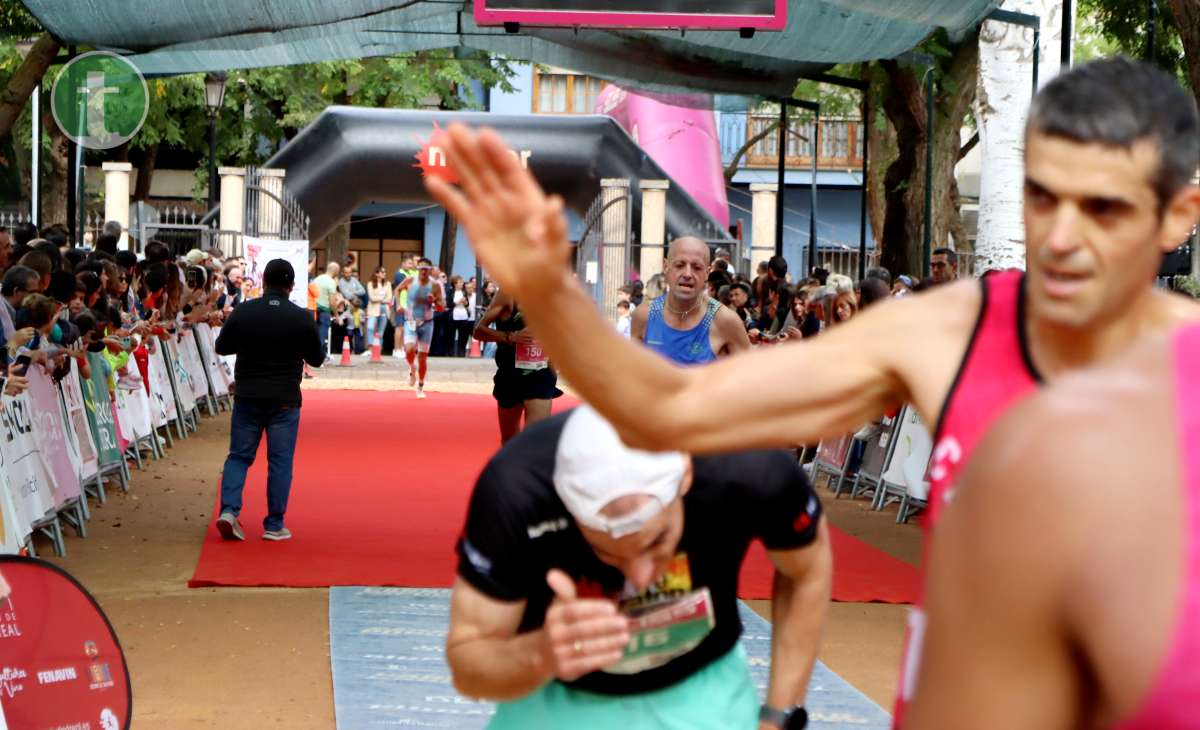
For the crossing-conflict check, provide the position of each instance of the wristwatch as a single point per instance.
(793, 719)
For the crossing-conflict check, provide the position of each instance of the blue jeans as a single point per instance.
(245, 430)
(324, 319)
(375, 328)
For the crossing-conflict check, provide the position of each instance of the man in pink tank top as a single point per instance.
(1110, 151)
(1088, 613)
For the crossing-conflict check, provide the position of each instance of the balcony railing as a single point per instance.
(840, 143)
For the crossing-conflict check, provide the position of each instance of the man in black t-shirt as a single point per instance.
(598, 584)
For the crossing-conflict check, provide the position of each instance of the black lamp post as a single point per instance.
(214, 96)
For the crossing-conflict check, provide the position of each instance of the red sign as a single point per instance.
(60, 662)
(431, 158)
(712, 14)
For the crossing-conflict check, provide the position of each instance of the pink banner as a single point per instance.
(50, 432)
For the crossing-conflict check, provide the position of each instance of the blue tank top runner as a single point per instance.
(686, 347)
(420, 301)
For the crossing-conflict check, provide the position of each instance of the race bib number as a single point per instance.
(665, 630)
(531, 357)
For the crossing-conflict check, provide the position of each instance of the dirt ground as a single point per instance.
(259, 657)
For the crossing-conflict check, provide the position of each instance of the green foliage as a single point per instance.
(17, 22)
(1189, 285)
(1108, 27)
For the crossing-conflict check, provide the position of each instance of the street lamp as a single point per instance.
(214, 96)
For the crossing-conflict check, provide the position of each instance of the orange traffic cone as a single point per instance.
(376, 354)
(475, 348)
(345, 363)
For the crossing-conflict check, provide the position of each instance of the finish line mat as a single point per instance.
(389, 668)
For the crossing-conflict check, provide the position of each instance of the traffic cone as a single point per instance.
(475, 348)
(345, 363)
(376, 355)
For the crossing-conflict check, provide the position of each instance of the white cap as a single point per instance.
(592, 468)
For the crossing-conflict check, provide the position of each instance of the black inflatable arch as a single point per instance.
(350, 155)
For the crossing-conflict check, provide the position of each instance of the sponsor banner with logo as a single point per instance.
(100, 411)
(183, 381)
(85, 454)
(50, 433)
(212, 364)
(190, 355)
(61, 664)
(162, 395)
(227, 361)
(29, 480)
(261, 250)
(133, 412)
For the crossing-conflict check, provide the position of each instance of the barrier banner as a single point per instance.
(63, 666)
(100, 411)
(50, 433)
(12, 532)
(227, 361)
(88, 460)
(134, 409)
(190, 355)
(833, 452)
(212, 364)
(910, 456)
(28, 478)
(183, 381)
(162, 395)
(261, 250)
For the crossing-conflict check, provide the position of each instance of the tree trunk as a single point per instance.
(337, 244)
(1005, 92)
(896, 196)
(1187, 18)
(54, 182)
(23, 81)
(449, 244)
(145, 173)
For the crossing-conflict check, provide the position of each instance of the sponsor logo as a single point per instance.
(101, 676)
(90, 649)
(108, 720)
(476, 558)
(432, 162)
(54, 676)
(10, 681)
(536, 531)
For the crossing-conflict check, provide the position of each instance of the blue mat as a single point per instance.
(389, 669)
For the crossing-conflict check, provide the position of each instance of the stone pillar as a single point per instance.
(233, 207)
(654, 227)
(614, 256)
(269, 209)
(116, 198)
(762, 237)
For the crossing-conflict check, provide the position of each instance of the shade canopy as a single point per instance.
(183, 36)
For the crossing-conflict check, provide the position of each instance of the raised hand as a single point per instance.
(518, 233)
(583, 635)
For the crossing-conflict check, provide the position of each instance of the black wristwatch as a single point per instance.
(793, 719)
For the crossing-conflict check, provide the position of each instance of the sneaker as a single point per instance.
(282, 533)
(229, 527)
(421, 392)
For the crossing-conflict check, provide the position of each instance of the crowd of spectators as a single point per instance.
(59, 302)
(775, 308)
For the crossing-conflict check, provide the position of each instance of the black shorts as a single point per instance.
(512, 387)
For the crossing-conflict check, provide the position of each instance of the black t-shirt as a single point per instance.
(517, 529)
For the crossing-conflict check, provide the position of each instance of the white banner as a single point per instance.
(261, 250)
(27, 474)
(12, 531)
(133, 412)
(910, 457)
(162, 396)
(87, 463)
(183, 381)
(212, 364)
(190, 356)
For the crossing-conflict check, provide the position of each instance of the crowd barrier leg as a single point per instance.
(52, 529)
(72, 514)
(97, 489)
(134, 446)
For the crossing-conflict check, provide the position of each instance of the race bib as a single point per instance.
(666, 630)
(531, 357)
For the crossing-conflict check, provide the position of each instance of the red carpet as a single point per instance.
(379, 494)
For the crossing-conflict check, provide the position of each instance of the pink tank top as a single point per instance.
(996, 372)
(1173, 702)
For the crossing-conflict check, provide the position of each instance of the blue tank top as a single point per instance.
(420, 301)
(686, 347)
